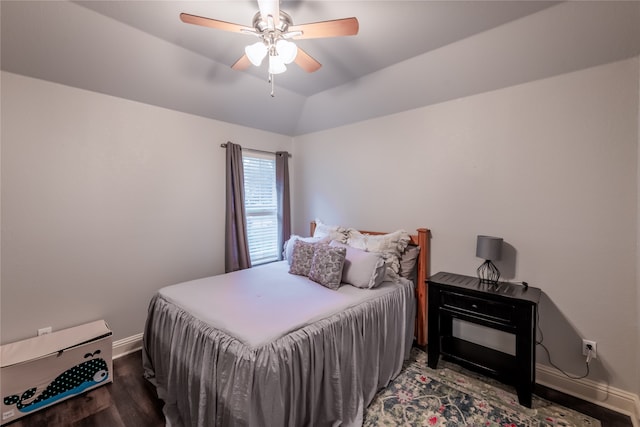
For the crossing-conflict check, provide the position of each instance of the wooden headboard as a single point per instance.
(421, 239)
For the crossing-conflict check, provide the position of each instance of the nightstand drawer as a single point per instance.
(479, 307)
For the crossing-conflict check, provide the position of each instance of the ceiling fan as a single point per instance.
(274, 28)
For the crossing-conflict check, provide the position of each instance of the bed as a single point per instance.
(262, 347)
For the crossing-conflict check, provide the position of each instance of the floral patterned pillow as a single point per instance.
(301, 257)
(289, 244)
(327, 264)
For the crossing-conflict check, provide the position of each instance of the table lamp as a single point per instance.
(489, 248)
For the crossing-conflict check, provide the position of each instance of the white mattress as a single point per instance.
(263, 303)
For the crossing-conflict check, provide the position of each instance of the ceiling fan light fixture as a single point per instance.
(276, 65)
(271, 25)
(256, 53)
(286, 50)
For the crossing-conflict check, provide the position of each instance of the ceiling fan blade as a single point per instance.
(270, 7)
(214, 23)
(242, 64)
(306, 62)
(334, 28)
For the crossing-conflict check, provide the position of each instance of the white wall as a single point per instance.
(550, 166)
(638, 243)
(104, 201)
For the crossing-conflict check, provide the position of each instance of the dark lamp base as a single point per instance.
(488, 272)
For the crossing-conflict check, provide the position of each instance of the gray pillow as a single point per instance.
(408, 262)
(327, 264)
(362, 269)
(302, 257)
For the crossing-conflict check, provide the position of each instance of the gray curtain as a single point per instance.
(284, 209)
(236, 245)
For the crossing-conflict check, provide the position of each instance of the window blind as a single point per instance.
(261, 206)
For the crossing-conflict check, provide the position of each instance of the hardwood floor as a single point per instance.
(607, 417)
(130, 401)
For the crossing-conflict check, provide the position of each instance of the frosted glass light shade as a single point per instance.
(286, 50)
(276, 65)
(256, 53)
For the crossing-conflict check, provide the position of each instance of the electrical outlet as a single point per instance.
(585, 348)
(44, 331)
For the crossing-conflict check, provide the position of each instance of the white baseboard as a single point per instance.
(127, 345)
(601, 394)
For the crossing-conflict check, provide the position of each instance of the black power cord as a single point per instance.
(549, 353)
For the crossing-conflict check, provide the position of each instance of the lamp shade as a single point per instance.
(488, 247)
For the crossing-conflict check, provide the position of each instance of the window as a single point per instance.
(261, 204)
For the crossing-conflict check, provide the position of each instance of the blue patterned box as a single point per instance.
(41, 371)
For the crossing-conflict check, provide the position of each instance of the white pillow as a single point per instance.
(288, 245)
(333, 232)
(390, 245)
(361, 269)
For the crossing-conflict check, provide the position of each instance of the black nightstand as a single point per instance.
(504, 306)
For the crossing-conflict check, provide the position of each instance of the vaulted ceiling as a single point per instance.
(407, 54)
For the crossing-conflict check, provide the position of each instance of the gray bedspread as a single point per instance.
(321, 374)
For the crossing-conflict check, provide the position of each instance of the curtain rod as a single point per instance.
(224, 145)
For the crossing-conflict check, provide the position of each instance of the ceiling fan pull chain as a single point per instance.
(272, 85)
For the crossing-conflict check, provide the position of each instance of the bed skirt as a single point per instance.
(324, 374)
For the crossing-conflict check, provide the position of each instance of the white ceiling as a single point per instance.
(407, 54)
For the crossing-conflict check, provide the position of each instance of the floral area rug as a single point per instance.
(451, 396)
